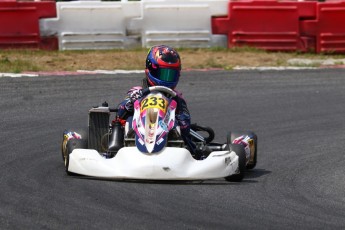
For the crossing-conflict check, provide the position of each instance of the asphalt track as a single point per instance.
(298, 183)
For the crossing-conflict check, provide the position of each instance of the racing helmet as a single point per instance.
(163, 66)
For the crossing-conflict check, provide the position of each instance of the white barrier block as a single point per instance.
(109, 25)
(179, 23)
(91, 24)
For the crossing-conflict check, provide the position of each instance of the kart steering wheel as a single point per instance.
(159, 88)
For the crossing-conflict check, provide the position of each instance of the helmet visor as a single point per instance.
(169, 75)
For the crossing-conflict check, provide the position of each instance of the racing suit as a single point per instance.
(125, 110)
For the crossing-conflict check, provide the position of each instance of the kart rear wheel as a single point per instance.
(71, 145)
(253, 158)
(239, 150)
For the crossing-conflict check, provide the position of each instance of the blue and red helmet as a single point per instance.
(163, 66)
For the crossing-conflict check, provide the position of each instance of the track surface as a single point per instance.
(298, 182)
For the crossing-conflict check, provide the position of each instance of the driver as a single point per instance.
(163, 67)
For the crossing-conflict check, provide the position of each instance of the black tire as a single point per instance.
(239, 150)
(63, 147)
(252, 165)
(82, 132)
(71, 145)
(234, 135)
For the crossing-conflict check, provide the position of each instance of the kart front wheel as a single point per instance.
(82, 132)
(253, 146)
(71, 145)
(240, 152)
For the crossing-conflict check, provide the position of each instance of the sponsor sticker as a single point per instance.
(164, 126)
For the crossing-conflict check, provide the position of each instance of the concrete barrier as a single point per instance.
(128, 24)
(284, 25)
(268, 24)
(91, 24)
(20, 24)
(179, 23)
(327, 28)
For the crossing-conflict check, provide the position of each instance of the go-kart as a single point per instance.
(149, 146)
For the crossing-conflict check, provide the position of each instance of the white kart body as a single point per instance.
(170, 164)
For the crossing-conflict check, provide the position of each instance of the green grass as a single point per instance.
(16, 66)
(17, 61)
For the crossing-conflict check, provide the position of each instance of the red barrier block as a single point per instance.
(328, 27)
(269, 25)
(20, 23)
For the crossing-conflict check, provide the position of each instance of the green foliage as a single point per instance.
(16, 66)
